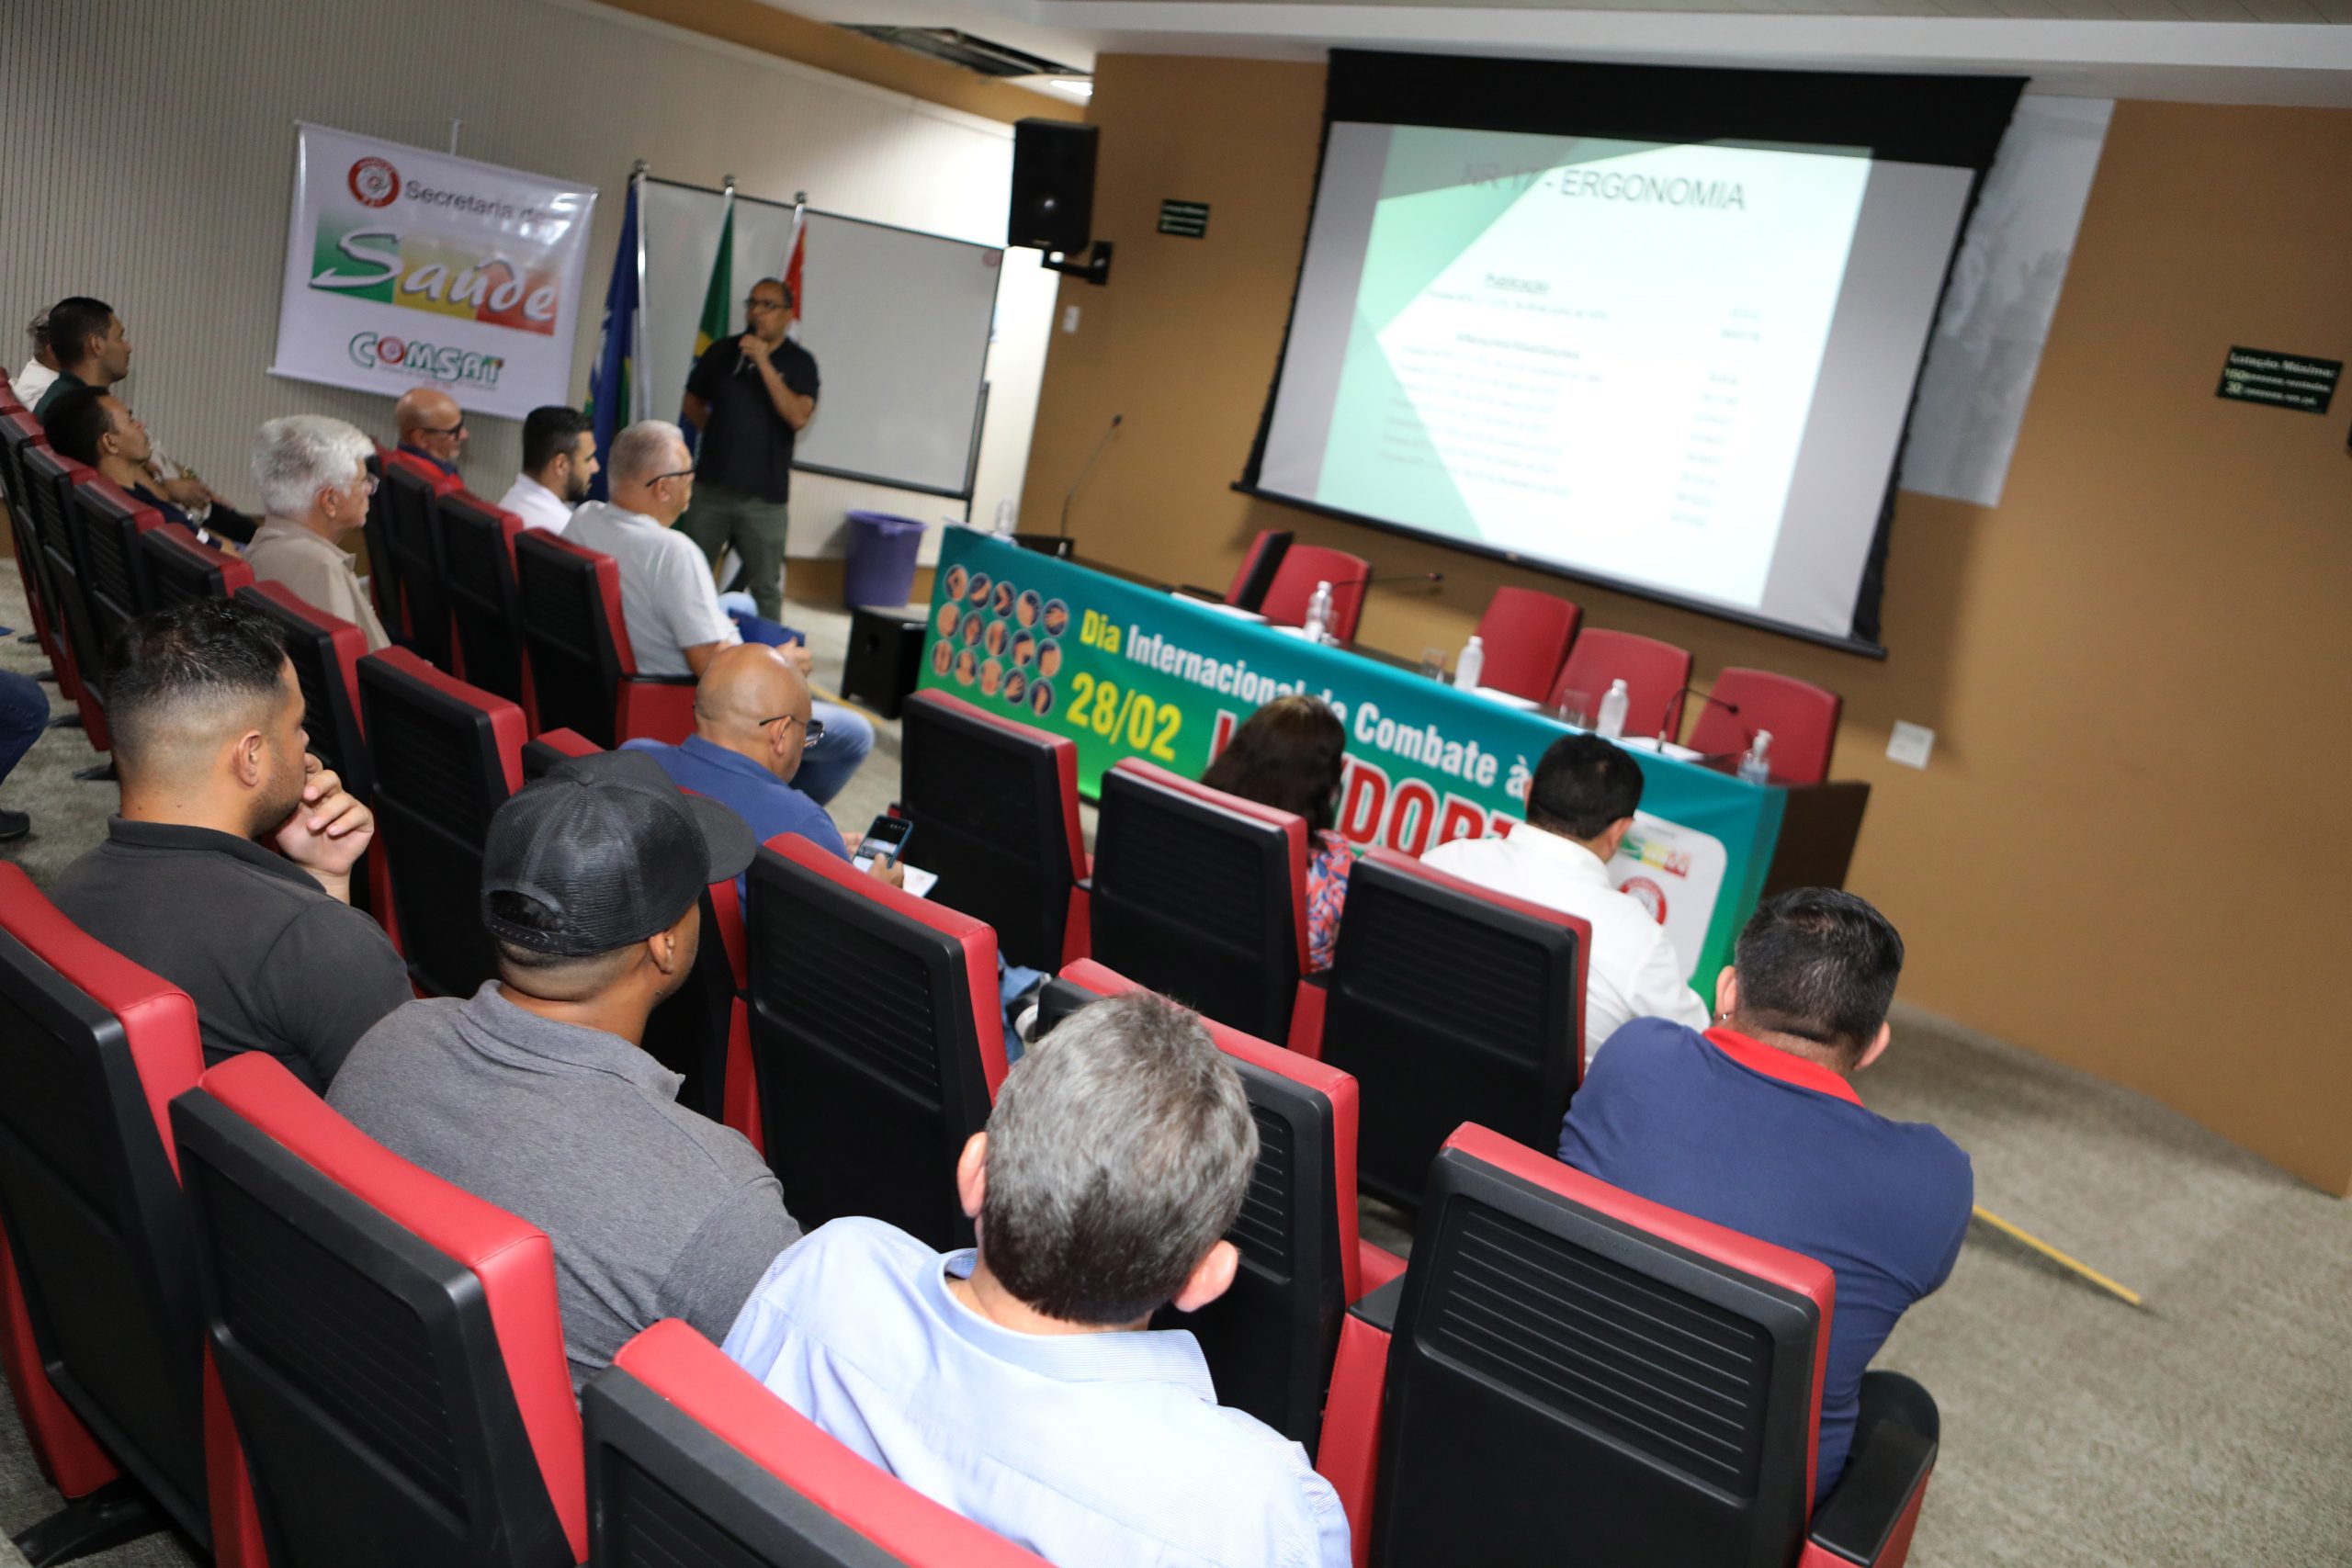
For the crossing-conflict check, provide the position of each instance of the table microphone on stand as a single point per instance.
(1674, 705)
(1057, 544)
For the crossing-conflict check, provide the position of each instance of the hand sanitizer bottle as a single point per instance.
(1470, 664)
(1755, 766)
(1612, 726)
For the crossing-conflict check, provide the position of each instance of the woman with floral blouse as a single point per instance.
(1289, 755)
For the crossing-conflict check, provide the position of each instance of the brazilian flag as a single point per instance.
(718, 304)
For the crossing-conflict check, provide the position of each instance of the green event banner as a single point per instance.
(1128, 672)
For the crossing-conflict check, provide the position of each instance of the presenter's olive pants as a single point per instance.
(720, 517)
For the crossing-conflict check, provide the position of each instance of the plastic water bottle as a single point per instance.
(1470, 664)
(1319, 613)
(1756, 764)
(1613, 712)
(1004, 518)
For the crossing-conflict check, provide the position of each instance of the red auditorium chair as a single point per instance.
(701, 1031)
(691, 1462)
(994, 803)
(116, 590)
(583, 673)
(1656, 675)
(1202, 897)
(388, 1346)
(879, 1035)
(1570, 1372)
(412, 491)
(476, 541)
(19, 431)
(1270, 1339)
(326, 652)
(1255, 575)
(446, 757)
(1802, 717)
(105, 1344)
(1450, 1002)
(1303, 567)
(1526, 637)
(49, 481)
(183, 568)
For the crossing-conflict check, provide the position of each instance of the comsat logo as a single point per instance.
(380, 350)
(373, 182)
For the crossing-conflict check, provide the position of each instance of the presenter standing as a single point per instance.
(750, 397)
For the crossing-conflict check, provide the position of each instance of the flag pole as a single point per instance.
(642, 383)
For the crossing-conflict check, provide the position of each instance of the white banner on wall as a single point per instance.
(408, 268)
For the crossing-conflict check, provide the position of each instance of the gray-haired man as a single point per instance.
(313, 473)
(1021, 1384)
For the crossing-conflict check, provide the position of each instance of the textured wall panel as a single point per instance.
(147, 154)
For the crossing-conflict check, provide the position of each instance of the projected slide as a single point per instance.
(1592, 349)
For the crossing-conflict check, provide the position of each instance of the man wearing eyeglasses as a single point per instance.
(753, 725)
(432, 426)
(312, 472)
(751, 397)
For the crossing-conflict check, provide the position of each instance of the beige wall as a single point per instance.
(2128, 852)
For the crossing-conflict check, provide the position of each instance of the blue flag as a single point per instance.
(609, 400)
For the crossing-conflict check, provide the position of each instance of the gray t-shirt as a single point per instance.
(667, 595)
(654, 1210)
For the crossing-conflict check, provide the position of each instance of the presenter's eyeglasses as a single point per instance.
(759, 307)
(811, 733)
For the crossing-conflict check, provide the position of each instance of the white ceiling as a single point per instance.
(2248, 51)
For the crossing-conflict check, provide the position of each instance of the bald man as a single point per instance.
(432, 426)
(752, 723)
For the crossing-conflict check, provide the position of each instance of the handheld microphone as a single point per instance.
(1092, 457)
(1674, 705)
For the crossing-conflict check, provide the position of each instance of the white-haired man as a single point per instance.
(313, 476)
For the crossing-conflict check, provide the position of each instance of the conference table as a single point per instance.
(1127, 668)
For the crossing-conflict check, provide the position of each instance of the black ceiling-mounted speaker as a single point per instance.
(1052, 185)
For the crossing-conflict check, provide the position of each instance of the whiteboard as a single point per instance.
(899, 322)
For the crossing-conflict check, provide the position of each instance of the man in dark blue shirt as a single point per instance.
(750, 397)
(752, 725)
(1754, 1126)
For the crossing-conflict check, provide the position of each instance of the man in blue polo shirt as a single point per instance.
(752, 723)
(1754, 1126)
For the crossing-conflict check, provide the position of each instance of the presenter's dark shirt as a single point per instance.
(1733, 1132)
(746, 445)
(272, 962)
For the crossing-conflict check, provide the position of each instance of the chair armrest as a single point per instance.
(1868, 1516)
(1348, 1453)
(1306, 1015)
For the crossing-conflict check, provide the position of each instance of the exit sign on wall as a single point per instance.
(1185, 220)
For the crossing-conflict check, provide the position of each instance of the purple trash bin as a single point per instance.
(880, 571)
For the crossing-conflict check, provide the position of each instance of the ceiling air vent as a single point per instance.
(958, 48)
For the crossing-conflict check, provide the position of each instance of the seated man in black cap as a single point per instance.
(534, 1096)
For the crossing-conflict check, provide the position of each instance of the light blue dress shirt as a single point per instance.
(1094, 1451)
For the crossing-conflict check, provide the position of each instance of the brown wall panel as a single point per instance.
(2127, 851)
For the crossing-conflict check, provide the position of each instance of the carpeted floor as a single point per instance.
(2213, 1425)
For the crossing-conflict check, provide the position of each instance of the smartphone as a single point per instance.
(885, 839)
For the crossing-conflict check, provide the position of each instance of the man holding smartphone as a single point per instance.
(753, 725)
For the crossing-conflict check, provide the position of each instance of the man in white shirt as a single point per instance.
(668, 600)
(558, 459)
(1578, 808)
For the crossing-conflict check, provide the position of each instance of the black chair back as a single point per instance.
(1577, 1372)
(1200, 896)
(446, 757)
(478, 552)
(88, 1196)
(877, 1039)
(183, 568)
(995, 807)
(115, 588)
(361, 1362)
(49, 481)
(1270, 1339)
(412, 490)
(569, 601)
(1450, 1003)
